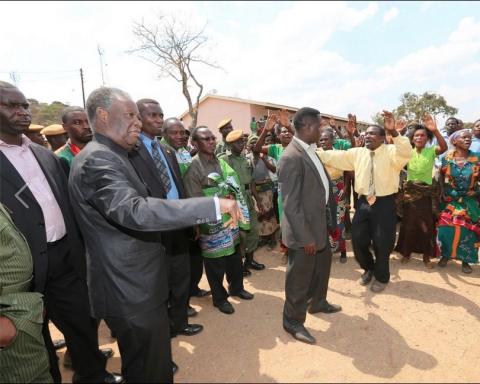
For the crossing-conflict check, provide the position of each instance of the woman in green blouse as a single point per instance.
(420, 204)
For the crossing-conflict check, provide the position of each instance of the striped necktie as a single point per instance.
(162, 168)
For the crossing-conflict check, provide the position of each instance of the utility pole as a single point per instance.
(100, 53)
(15, 77)
(83, 90)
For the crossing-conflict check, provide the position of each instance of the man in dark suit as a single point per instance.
(309, 211)
(158, 166)
(121, 224)
(34, 188)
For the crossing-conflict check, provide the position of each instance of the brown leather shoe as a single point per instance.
(405, 260)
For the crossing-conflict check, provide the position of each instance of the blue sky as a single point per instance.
(339, 57)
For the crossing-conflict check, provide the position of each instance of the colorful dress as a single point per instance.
(275, 151)
(267, 222)
(458, 228)
(337, 238)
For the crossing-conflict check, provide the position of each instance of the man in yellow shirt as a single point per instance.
(377, 167)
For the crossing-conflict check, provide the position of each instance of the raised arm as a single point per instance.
(402, 147)
(333, 124)
(284, 119)
(350, 128)
(269, 124)
(431, 125)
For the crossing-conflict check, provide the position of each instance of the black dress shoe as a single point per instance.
(191, 312)
(191, 330)
(175, 368)
(243, 294)
(107, 352)
(202, 292)
(100, 377)
(303, 336)
(60, 343)
(246, 272)
(254, 265)
(332, 309)
(115, 378)
(366, 277)
(225, 307)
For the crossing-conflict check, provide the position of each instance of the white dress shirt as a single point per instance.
(311, 152)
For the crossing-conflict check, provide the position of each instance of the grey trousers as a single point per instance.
(306, 285)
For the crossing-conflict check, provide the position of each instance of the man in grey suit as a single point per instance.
(121, 224)
(309, 209)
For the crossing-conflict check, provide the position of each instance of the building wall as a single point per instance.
(212, 111)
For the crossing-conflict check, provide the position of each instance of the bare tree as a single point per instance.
(173, 47)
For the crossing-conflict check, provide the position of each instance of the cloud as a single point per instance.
(390, 14)
(426, 5)
(469, 69)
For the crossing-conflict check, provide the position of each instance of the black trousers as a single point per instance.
(144, 344)
(176, 245)
(375, 224)
(68, 306)
(217, 268)
(306, 285)
(196, 267)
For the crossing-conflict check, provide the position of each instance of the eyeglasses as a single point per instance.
(207, 139)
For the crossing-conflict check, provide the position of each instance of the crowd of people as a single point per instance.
(175, 203)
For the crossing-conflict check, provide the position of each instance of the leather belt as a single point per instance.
(20, 287)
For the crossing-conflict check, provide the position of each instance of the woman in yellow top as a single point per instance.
(420, 204)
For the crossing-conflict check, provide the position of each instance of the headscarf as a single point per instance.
(454, 135)
(250, 138)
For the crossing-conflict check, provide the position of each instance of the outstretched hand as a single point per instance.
(430, 123)
(284, 118)
(352, 123)
(388, 121)
(400, 125)
(270, 123)
(332, 122)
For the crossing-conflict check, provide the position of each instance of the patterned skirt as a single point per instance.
(267, 222)
(458, 236)
(337, 238)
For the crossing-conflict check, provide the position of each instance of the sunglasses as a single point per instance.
(207, 139)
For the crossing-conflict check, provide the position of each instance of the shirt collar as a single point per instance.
(205, 160)
(25, 143)
(147, 141)
(312, 147)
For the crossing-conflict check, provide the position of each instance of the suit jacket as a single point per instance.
(30, 221)
(306, 217)
(145, 165)
(121, 225)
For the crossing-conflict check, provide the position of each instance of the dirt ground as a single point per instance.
(422, 328)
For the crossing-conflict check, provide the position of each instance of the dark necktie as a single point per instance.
(371, 196)
(161, 166)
